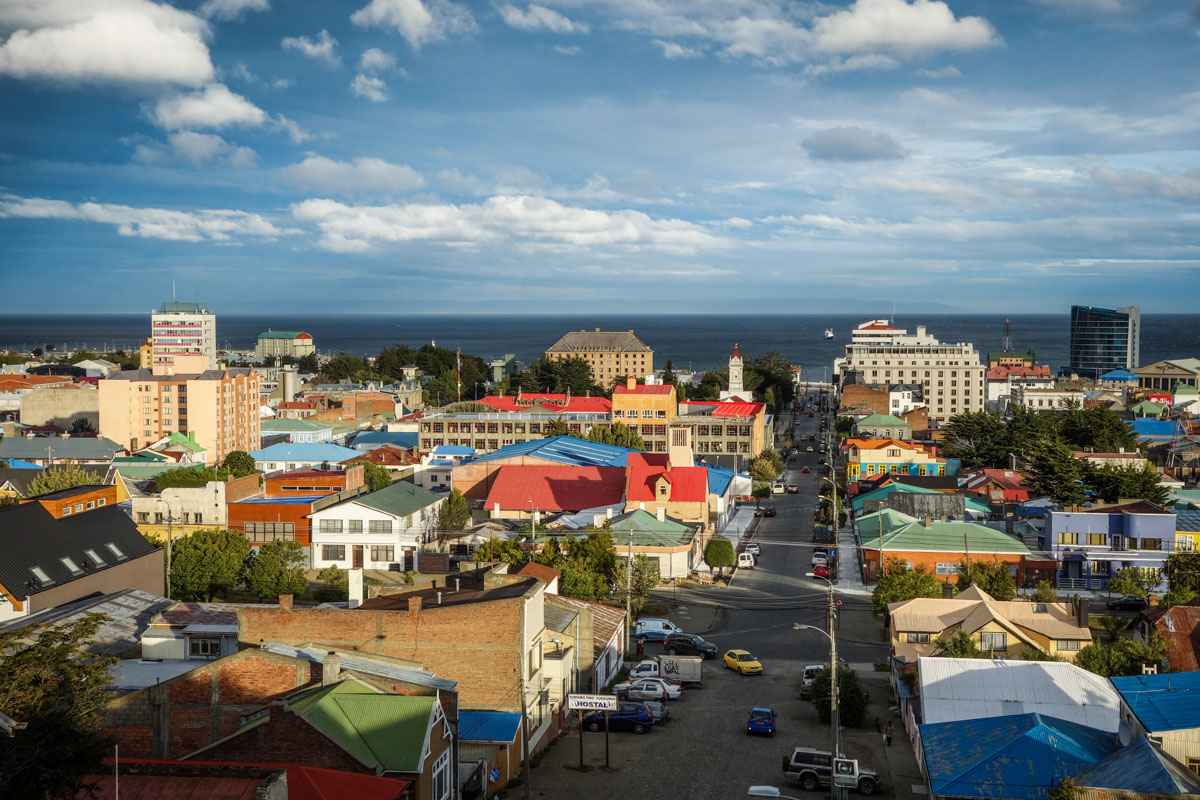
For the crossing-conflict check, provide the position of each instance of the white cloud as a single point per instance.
(896, 26)
(320, 48)
(197, 147)
(567, 50)
(853, 63)
(200, 149)
(674, 50)
(1139, 183)
(376, 60)
(539, 18)
(123, 42)
(346, 177)
(416, 21)
(216, 225)
(231, 9)
(851, 144)
(212, 107)
(292, 129)
(368, 87)
(947, 71)
(526, 221)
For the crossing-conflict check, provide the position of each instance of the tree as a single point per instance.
(56, 688)
(207, 564)
(1045, 593)
(1122, 657)
(595, 553)
(712, 383)
(644, 577)
(335, 585)
(958, 645)
(58, 477)
(308, 364)
(1026, 430)
(239, 463)
(1064, 790)
(1133, 580)
(185, 477)
(1055, 473)
(993, 578)
(825, 510)
(718, 554)
(1180, 596)
(37, 352)
(453, 515)
(843, 425)
(508, 551)
(1098, 429)
(1117, 483)
(1182, 571)
(81, 425)
(376, 476)
(556, 427)
(852, 697)
(978, 438)
(580, 583)
(1112, 624)
(899, 583)
(760, 492)
(618, 434)
(277, 568)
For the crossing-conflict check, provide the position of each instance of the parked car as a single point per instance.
(649, 689)
(658, 711)
(743, 661)
(821, 571)
(808, 449)
(628, 717)
(812, 768)
(1130, 602)
(761, 720)
(753, 549)
(820, 557)
(651, 629)
(747, 560)
(805, 469)
(794, 488)
(769, 511)
(689, 643)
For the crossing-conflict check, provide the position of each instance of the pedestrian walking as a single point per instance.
(888, 730)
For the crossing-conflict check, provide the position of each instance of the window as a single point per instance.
(1040, 608)
(993, 642)
(1194, 765)
(917, 638)
(91, 504)
(270, 531)
(71, 566)
(95, 559)
(354, 526)
(204, 648)
(333, 552)
(380, 525)
(381, 552)
(1067, 644)
(143, 516)
(331, 526)
(116, 551)
(441, 776)
(1068, 538)
(1147, 544)
(1097, 539)
(66, 510)
(947, 568)
(40, 574)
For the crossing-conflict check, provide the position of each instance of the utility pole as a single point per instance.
(525, 750)
(628, 593)
(834, 691)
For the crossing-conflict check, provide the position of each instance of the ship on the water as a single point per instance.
(829, 333)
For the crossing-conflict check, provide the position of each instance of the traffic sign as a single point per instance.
(839, 602)
(591, 702)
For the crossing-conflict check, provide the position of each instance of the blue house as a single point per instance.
(1140, 768)
(1093, 544)
(1165, 707)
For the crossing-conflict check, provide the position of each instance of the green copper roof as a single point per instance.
(1183, 388)
(384, 731)
(948, 537)
(880, 419)
(1147, 407)
(279, 334)
(646, 530)
(182, 439)
(888, 519)
(400, 499)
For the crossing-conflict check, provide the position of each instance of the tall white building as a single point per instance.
(951, 376)
(182, 329)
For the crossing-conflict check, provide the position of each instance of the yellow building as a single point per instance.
(1002, 628)
(724, 427)
(612, 355)
(218, 407)
(868, 457)
(1187, 531)
(646, 409)
(146, 354)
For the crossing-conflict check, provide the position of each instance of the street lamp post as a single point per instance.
(170, 532)
(833, 677)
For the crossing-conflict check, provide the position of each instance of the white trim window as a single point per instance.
(441, 776)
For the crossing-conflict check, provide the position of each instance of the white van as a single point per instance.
(779, 487)
(745, 560)
(650, 629)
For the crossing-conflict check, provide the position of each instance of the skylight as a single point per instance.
(41, 576)
(71, 566)
(96, 560)
(116, 551)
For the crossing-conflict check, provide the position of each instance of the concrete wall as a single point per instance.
(951, 507)
(61, 405)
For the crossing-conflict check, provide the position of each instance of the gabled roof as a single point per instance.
(947, 537)
(42, 447)
(646, 530)
(1164, 702)
(292, 426)
(129, 613)
(400, 499)
(1009, 479)
(880, 444)
(493, 727)
(872, 420)
(1118, 375)
(547, 574)
(386, 456)
(1009, 757)
(556, 488)
(402, 439)
(606, 620)
(974, 608)
(884, 491)
(1140, 767)
(686, 484)
(305, 451)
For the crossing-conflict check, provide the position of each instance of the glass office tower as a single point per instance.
(1104, 339)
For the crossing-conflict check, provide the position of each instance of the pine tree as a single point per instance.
(58, 477)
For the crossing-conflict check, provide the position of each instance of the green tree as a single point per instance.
(56, 688)
(1133, 580)
(308, 364)
(1182, 571)
(1055, 473)
(899, 583)
(618, 434)
(1112, 625)
(761, 469)
(1026, 430)
(1118, 483)
(825, 510)
(239, 463)
(718, 554)
(993, 578)
(595, 553)
(185, 477)
(346, 367)
(761, 491)
(580, 583)
(81, 425)
(207, 564)
(376, 476)
(507, 551)
(1122, 657)
(843, 425)
(1045, 593)
(278, 567)
(713, 382)
(958, 645)
(556, 427)
(644, 577)
(1181, 596)
(1063, 790)
(852, 697)
(1101, 430)
(58, 477)
(1034, 654)
(335, 585)
(978, 438)
(453, 515)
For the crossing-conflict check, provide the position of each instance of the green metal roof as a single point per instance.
(144, 471)
(1183, 388)
(400, 499)
(949, 537)
(880, 419)
(292, 426)
(387, 732)
(889, 519)
(1147, 407)
(182, 439)
(280, 334)
(647, 531)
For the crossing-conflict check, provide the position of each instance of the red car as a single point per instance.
(769, 511)
(805, 469)
(821, 571)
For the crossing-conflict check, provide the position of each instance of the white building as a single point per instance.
(183, 329)
(1038, 398)
(903, 398)
(376, 530)
(951, 376)
(437, 467)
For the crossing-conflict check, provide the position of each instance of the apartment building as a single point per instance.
(284, 343)
(182, 329)
(486, 432)
(218, 407)
(612, 355)
(951, 376)
(648, 409)
(1043, 398)
(731, 427)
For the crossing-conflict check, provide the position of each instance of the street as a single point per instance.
(703, 749)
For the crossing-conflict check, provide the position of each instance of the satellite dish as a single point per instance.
(1124, 733)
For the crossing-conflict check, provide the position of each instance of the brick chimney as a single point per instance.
(285, 602)
(928, 521)
(331, 668)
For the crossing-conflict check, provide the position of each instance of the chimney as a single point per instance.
(331, 667)
(630, 383)
(414, 606)
(439, 594)
(285, 602)
(928, 521)
(947, 590)
(661, 514)
(608, 512)
(1082, 613)
(457, 585)
(495, 510)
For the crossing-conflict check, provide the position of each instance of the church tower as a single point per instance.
(735, 372)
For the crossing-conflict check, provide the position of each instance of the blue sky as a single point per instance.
(627, 155)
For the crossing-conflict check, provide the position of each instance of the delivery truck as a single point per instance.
(685, 669)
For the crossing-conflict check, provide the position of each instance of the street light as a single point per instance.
(170, 531)
(833, 677)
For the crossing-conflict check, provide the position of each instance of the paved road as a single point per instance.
(703, 750)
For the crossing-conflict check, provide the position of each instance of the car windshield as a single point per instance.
(746, 657)
(760, 715)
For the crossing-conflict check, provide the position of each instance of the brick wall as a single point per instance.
(862, 399)
(285, 738)
(474, 480)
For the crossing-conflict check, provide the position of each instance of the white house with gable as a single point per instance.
(384, 529)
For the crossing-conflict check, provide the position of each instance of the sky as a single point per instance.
(619, 156)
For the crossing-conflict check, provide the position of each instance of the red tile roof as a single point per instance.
(878, 326)
(642, 388)
(297, 405)
(555, 488)
(1004, 478)
(687, 484)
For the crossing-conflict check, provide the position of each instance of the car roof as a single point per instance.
(738, 651)
(760, 708)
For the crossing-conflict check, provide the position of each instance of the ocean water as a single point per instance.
(691, 341)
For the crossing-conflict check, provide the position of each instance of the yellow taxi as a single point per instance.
(743, 662)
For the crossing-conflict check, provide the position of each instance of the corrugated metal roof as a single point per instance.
(686, 484)
(400, 499)
(376, 665)
(488, 726)
(1164, 702)
(971, 688)
(1143, 768)
(547, 488)
(947, 537)
(564, 450)
(61, 449)
(305, 451)
(1011, 757)
(129, 613)
(558, 619)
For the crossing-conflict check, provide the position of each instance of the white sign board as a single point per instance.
(592, 702)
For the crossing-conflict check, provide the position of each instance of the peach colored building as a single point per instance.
(219, 407)
(646, 409)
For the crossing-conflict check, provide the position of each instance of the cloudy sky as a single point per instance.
(632, 155)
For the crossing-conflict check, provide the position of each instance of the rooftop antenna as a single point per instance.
(1007, 335)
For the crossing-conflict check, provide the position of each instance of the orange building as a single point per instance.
(647, 409)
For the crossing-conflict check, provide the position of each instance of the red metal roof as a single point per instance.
(687, 484)
(877, 326)
(642, 388)
(554, 488)
(548, 574)
(303, 782)
(728, 409)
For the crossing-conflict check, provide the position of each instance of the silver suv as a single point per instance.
(812, 768)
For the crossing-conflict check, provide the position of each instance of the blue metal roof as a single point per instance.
(1119, 375)
(453, 450)
(1150, 428)
(305, 451)
(719, 479)
(488, 726)
(1143, 768)
(1165, 702)
(564, 450)
(405, 440)
(17, 463)
(1017, 757)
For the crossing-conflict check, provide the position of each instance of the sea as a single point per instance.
(690, 341)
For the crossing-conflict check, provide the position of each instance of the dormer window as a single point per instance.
(95, 559)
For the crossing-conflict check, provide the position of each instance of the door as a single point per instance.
(357, 549)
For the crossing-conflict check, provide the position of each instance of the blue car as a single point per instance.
(628, 717)
(761, 720)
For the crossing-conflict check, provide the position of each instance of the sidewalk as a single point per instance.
(850, 570)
